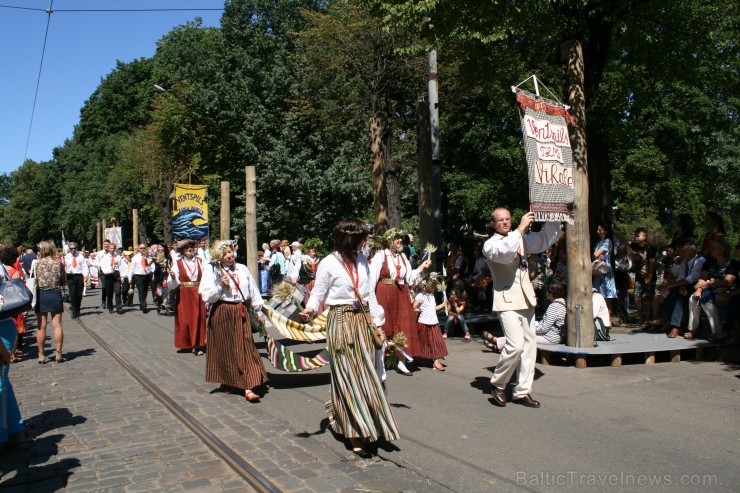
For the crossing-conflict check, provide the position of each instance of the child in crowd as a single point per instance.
(430, 339)
(456, 305)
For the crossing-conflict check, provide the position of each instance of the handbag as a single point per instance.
(31, 284)
(15, 297)
(599, 268)
(375, 334)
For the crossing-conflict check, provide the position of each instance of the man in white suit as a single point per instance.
(514, 299)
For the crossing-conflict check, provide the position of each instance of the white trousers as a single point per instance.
(709, 308)
(519, 353)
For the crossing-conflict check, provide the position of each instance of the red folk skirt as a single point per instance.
(399, 314)
(190, 319)
(430, 339)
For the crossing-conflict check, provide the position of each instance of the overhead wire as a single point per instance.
(50, 11)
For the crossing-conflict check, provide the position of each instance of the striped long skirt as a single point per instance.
(232, 359)
(432, 344)
(358, 407)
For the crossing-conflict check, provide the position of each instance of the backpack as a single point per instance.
(601, 331)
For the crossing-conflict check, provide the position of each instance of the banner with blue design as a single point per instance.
(190, 212)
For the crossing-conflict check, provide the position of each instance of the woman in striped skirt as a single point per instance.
(358, 408)
(432, 344)
(232, 359)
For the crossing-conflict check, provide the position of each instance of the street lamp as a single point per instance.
(159, 88)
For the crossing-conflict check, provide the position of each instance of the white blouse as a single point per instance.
(212, 291)
(334, 286)
(395, 262)
(427, 309)
(192, 265)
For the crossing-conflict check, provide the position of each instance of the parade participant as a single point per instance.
(190, 309)
(75, 267)
(232, 358)
(99, 255)
(125, 270)
(514, 300)
(296, 261)
(9, 259)
(50, 278)
(277, 263)
(110, 264)
(432, 344)
(11, 424)
(141, 274)
(309, 264)
(203, 254)
(393, 272)
(358, 409)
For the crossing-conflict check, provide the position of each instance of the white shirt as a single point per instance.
(125, 268)
(295, 262)
(192, 265)
(212, 291)
(105, 263)
(204, 255)
(427, 309)
(335, 287)
(395, 262)
(600, 309)
(81, 267)
(137, 269)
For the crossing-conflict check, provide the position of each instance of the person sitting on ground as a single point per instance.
(456, 304)
(549, 330)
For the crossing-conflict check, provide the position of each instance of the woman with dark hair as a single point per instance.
(394, 274)
(190, 310)
(714, 225)
(9, 259)
(603, 250)
(358, 408)
(11, 424)
(685, 233)
(232, 359)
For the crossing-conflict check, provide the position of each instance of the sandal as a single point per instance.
(489, 340)
(690, 335)
(251, 396)
(438, 366)
(58, 357)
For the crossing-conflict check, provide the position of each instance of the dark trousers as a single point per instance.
(113, 290)
(101, 277)
(125, 287)
(142, 287)
(75, 284)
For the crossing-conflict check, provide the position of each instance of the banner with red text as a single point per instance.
(549, 157)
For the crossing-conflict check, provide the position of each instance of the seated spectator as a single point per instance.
(718, 276)
(456, 305)
(600, 310)
(549, 330)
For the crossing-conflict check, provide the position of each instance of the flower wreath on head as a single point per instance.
(315, 243)
(217, 250)
(390, 235)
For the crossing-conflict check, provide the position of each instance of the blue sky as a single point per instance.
(81, 49)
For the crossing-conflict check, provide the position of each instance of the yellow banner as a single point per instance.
(190, 212)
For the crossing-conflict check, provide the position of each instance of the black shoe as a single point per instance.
(499, 396)
(527, 401)
(110, 310)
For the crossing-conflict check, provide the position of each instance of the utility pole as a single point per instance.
(436, 155)
(580, 306)
(250, 221)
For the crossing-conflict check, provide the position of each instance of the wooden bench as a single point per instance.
(647, 345)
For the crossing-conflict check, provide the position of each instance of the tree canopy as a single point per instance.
(293, 88)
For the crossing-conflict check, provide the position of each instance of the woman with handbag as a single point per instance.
(358, 408)
(50, 278)
(11, 424)
(603, 278)
(9, 259)
(232, 359)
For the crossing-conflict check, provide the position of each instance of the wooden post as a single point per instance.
(98, 236)
(424, 177)
(250, 221)
(616, 360)
(580, 304)
(649, 358)
(102, 228)
(225, 211)
(135, 218)
(676, 356)
(545, 358)
(581, 361)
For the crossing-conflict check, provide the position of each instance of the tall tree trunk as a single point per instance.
(380, 194)
(392, 170)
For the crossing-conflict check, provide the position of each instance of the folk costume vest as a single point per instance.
(512, 289)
